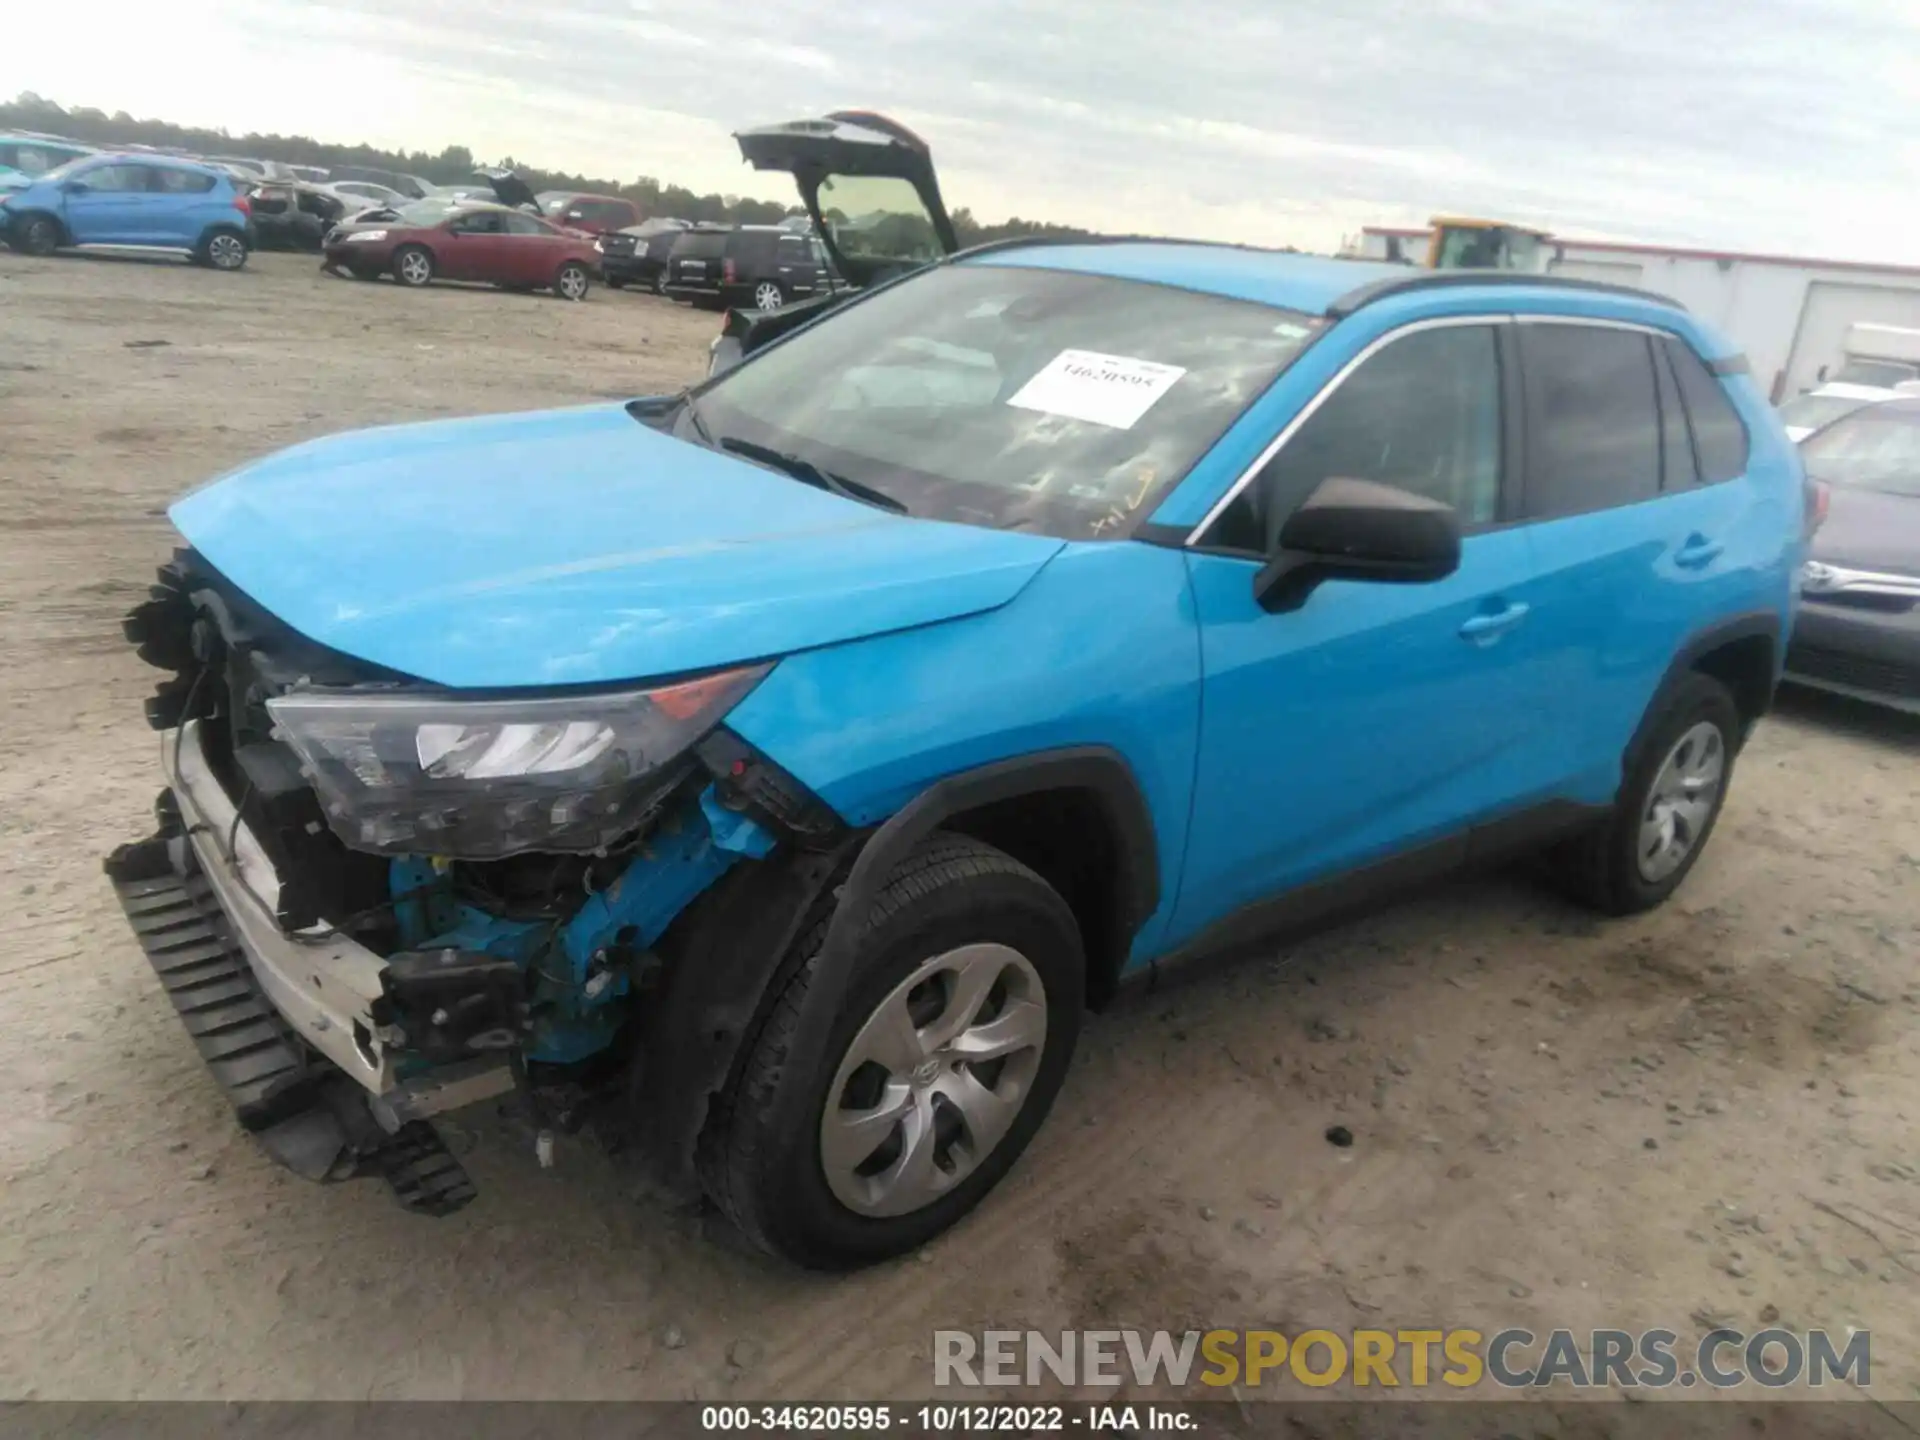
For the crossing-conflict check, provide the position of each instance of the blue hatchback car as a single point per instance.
(774, 773)
(139, 201)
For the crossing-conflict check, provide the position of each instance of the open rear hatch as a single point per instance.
(509, 189)
(869, 187)
(868, 184)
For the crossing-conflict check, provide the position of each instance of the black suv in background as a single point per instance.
(762, 266)
(638, 254)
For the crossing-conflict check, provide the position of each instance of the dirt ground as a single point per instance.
(1705, 1115)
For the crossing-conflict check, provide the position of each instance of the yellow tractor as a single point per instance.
(1487, 245)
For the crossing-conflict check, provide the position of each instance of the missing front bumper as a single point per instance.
(284, 1024)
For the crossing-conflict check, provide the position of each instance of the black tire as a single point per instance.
(35, 235)
(1601, 867)
(221, 248)
(659, 283)
(760, 1158)
(409, 273)
(572, 281)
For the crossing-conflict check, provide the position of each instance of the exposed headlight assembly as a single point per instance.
(405, 774)
(356, 236)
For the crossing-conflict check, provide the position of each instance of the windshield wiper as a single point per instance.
(809, 473)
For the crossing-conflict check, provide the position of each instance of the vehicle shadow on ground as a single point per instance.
(1857, 719)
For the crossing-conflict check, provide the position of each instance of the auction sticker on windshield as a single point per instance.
(1113, 390)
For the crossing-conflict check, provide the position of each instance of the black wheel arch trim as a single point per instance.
(1098, 769)
(1751, 625)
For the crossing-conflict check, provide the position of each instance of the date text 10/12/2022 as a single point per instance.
(947, 1418)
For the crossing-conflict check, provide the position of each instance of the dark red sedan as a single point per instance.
(432, 240)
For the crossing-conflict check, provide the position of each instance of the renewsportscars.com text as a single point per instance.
(1459, 1358)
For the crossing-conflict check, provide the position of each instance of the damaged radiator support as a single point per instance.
(309, 1117)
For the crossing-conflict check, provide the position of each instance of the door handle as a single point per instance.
(1698, 553)
(1486, 628)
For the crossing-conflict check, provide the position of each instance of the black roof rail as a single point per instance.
(1363, 295)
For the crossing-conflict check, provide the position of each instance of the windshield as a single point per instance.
(1009, 397)
(878, 217)
(1875, 448)
(1810, 412)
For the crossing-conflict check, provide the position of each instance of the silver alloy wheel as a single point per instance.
(573, 282)
(933, 1080)
(767, 296)
(1685, 791)
(226, 252)
(415, 267)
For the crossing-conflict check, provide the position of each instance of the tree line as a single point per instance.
(452, 165)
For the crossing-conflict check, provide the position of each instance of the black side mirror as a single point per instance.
(1358, 530)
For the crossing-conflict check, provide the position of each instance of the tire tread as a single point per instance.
(733, 1144)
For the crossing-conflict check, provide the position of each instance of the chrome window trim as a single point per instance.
(1196, 539)
(1599, 322)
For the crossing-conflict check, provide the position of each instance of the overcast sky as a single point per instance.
(1775, 125)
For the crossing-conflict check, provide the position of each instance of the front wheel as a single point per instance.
(1675, 785)
(36, 235)
(950, 1040)
(659, 283)
(572, 282)
(413, 265)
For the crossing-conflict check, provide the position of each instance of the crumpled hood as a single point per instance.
(577, 547)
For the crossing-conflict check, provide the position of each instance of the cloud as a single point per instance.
(1777, 125)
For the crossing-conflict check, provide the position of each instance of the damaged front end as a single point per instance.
(373, 901)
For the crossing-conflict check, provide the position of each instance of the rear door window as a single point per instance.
(1593, 418)
(517, 224)
(1719, 435)
(181, 182)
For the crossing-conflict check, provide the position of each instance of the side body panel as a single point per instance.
(1099, 649)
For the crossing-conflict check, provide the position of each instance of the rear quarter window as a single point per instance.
(1719, 434)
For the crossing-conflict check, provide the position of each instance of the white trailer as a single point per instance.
(1793, 316)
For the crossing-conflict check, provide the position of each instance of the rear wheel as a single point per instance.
(1667, 806)
(413, 265)
(222, 249)
(951, 1037)
(573, 282)
(36, 235)
(768, 295)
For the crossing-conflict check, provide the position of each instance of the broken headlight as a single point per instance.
(405, 774)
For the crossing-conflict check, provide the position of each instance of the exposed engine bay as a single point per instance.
(512, 861)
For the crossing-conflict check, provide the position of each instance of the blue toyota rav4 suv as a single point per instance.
(774, 773)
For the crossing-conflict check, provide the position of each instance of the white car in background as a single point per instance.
(1819, 408)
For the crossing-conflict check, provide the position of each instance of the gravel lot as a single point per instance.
(1705, 1115)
